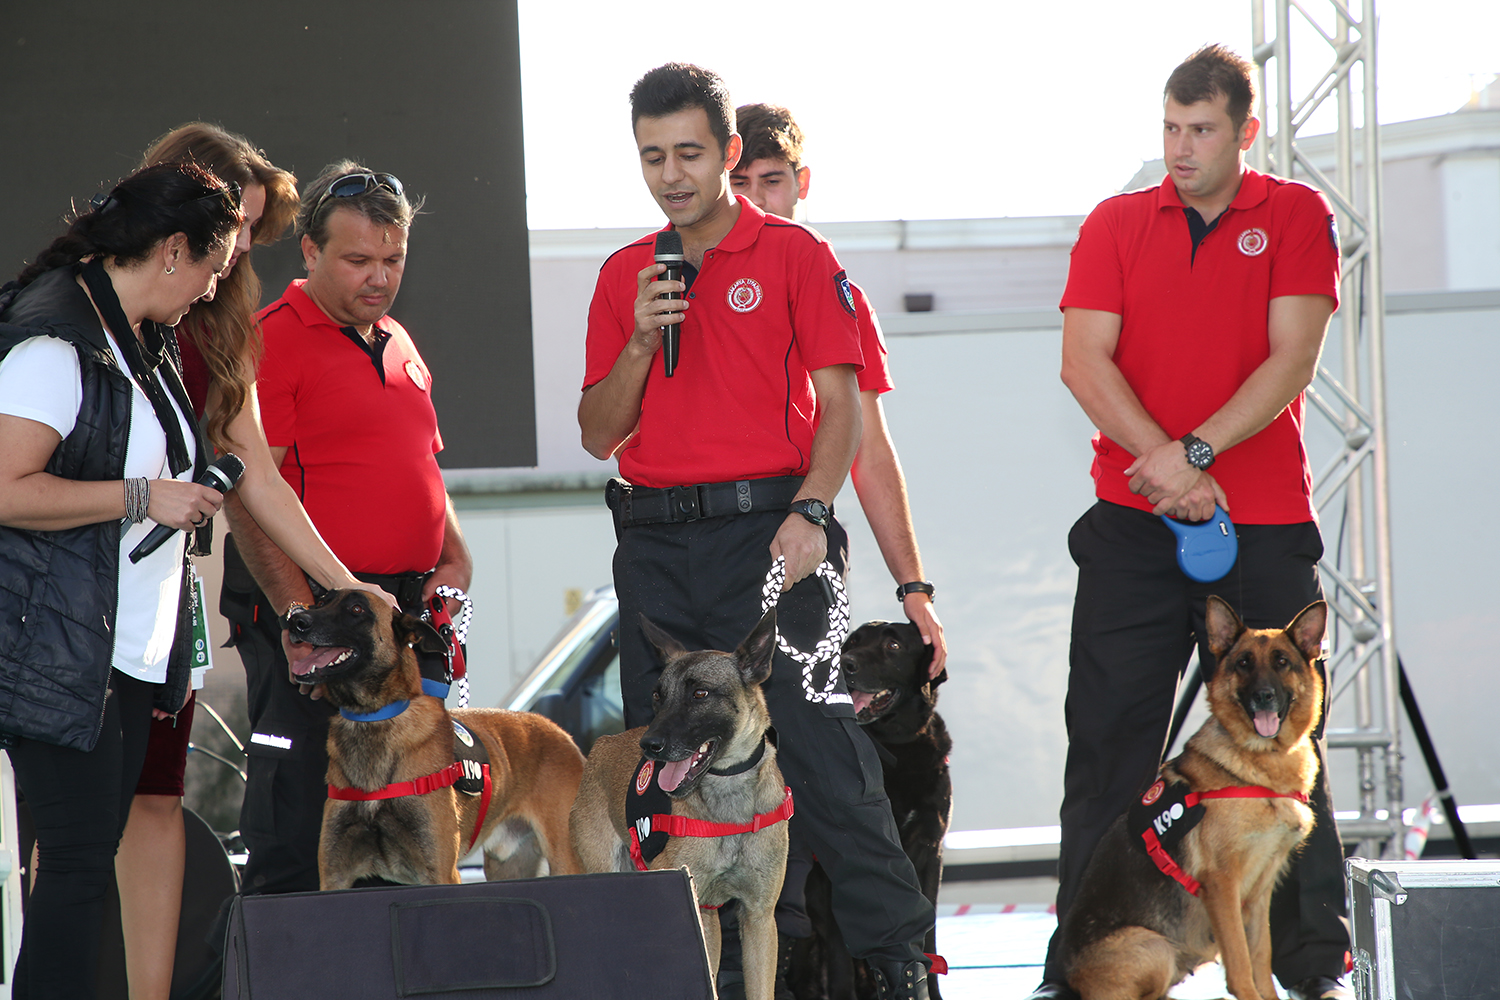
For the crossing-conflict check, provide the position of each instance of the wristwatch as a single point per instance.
(815, 511)
(917, 587)
(1200, 454)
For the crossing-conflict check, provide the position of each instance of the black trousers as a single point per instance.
(1136, 619)
(79, 803)
(281, 818)
(701, 582)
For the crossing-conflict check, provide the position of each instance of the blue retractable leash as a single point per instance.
(1206, 550)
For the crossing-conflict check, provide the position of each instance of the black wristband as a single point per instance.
(916, 587)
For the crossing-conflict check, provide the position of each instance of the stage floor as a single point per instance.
(995, 952)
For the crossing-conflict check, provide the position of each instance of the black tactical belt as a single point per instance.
(675, 504)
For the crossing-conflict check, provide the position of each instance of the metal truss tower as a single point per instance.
(1351, 490)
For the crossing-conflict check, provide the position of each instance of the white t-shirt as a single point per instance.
(40, 380)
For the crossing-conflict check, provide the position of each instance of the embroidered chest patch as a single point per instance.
(471, 754)
(415, 373)
(744, 295)
(1163, 812)
(644, 800)
(1253, 242)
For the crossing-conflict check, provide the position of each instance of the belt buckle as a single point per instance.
(684, 503)
(742, 495)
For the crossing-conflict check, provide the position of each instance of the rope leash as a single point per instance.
(830, 646)
(460, 632)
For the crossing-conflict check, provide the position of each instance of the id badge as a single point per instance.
(200, 656)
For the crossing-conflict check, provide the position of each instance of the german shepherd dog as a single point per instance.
(886, 666)
(708, 748)
(366, 654)
(1135, 932)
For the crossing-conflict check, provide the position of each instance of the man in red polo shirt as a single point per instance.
(728, 469)
(771, 174)
(1192, 322)
(347, 405)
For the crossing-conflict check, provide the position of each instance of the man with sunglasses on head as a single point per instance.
(347, 405)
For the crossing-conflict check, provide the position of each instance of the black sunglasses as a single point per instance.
(354, 185)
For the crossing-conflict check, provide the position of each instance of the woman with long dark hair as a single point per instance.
(100, 442)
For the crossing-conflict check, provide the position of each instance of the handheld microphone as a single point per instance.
(669, 252)
(222, 475)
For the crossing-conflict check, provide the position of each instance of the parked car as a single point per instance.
(576, 680)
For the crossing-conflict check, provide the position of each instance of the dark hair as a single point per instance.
(676, 87)
(224, 330)
(769, 132)
(145, 208)
(379, 204)
(1211, 72)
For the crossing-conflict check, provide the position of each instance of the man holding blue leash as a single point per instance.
(1193, 319)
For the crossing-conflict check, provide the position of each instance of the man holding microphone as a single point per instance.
(730, 464)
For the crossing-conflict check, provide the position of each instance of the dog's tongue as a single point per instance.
(317, 656)
(1267, 723)
(862, 700)
(671, 773)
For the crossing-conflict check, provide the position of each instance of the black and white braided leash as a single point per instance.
(828, 648)
(460, 632)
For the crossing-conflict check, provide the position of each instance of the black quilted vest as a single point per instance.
(58, 589)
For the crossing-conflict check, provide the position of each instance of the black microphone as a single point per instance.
(669, 252)
(222, 476)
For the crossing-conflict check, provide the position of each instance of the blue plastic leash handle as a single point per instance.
(1206, 550)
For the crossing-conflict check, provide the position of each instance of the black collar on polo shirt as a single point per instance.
(375, 351)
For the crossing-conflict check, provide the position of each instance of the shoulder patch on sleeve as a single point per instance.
(1333, 232)
(844, 292)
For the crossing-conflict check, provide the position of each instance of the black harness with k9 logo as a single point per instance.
(1164, 814)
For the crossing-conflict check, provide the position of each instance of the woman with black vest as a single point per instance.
(100, 445)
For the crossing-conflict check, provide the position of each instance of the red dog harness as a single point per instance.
(1191, 800)
(685, 826)
(446, 778)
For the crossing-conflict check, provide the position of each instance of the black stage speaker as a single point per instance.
(624, 936)
(430, 92)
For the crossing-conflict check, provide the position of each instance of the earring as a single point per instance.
(171, 268)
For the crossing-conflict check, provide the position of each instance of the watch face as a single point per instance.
(1200, 454)
(815, 511)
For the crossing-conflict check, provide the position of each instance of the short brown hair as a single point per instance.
(769, 132)
(1213, 71)
(379, 204)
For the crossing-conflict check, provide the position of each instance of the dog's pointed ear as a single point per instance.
(940, 678)
(1307, 629)
(418, 634)
(755, 653)
(1224, 628)
(667, 648)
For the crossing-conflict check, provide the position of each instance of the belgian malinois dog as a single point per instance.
(367, 655)
(707, 749)
(1154, 902)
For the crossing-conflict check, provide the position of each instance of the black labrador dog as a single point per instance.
(886, 666)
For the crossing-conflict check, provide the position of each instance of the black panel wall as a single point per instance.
(429, 90)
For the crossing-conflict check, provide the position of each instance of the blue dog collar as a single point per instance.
(390, 711)
(436, 689)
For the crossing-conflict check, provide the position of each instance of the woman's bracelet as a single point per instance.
(137, 499)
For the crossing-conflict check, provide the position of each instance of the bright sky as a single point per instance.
(935, 110)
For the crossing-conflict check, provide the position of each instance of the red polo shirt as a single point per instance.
(1194, 328)
(875, 376)
(769, 306)
(360, 437)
